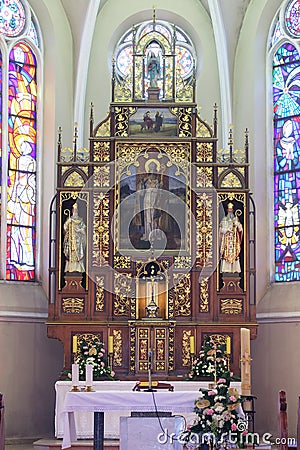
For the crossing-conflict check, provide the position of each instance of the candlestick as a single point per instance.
(228, 345)
(245, 362)
(75, 377)
(192, 345)
(110, 344)
(89, 377)
(74, 344)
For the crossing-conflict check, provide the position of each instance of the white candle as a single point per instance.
(89, 375)
(245, 362)
(75, 374)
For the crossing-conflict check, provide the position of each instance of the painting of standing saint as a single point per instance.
(159, 122)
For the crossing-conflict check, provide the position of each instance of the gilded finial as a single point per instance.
(230, 137)
(154, 14)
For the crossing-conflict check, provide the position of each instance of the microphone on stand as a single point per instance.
(150, 371)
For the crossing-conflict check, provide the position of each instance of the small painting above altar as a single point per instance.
(155, 122)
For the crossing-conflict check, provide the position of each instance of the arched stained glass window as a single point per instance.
(286, 120)
(149, 55)
(19, 78)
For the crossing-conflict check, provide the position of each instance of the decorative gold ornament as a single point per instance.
(72, 305)
(231, 306)
(99, 307)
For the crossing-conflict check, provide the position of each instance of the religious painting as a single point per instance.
(153, 122)
(152, 205)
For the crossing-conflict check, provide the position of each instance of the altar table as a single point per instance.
(85, 420)
(100, 402)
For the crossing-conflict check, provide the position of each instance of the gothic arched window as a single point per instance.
(284, 50)
(20, 55)
(154, 54)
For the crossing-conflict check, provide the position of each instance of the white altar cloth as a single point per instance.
(121, 401)
(84, 420)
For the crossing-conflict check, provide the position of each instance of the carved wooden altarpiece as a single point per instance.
(152, 190)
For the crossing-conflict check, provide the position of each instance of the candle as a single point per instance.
(75, 374)
(228, 345)
(74, 344)
(245, 362)
(89, 375)
(110, 344)
(192, 345)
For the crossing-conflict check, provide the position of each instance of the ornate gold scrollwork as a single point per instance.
(99, 307)
(102, 176)
(181, 293)
(101, 151)
(204, 152)
(118, 350)
(123, 287)
(232, 306)
(204, 298)
(72, 305)
(186, 360)
(101, 230)
(104, 128)
(204, 236)
(122, 262)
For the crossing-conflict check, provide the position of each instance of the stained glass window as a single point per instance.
(286, 119)
(157, 38)
(19, 114)
(292, 18)
(12, 17)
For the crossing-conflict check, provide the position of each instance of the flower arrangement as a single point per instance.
(220, 420)
(92, 352)
(211, 361)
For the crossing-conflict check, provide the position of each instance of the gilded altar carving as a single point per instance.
(132, 349)
(204, 297)
(101, 176)
(104, 128)
(123, 287)
(99, 306)
(231, 306)
(231, 180)
(181, 293)
(160, 349)
(203, 131)
(204, 152)
(171, 359)
(72, 305)
(182, 262)
(122, 120)
(100, 229)
(101, 151)
(118, 349)
(185, 349)
(74, 180)
(123, 90)
(184, 90)
(184, 121)
(204, 235)
(122, 262)
(143, 348)
(204, 177)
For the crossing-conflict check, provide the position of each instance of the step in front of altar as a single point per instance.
(81, 444)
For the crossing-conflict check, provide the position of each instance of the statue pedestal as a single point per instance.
(73, 282)
(231, 283)
(153, 94)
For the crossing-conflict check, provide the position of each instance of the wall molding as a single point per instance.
(278, 317)
(23, 316)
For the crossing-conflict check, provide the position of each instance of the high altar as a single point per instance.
(152, 238)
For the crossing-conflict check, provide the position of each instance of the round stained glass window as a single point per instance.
(292, 18)
(12, 17)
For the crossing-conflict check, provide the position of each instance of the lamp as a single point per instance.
(249, 410)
